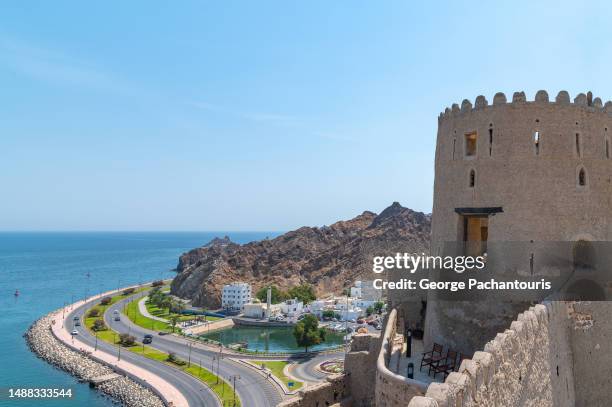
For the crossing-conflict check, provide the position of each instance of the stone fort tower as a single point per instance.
(520, 171)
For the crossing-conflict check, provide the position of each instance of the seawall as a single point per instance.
(46, 346)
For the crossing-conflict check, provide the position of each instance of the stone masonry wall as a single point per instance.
(393, 389)
(529, 364)
(331, 392)
(362, 381)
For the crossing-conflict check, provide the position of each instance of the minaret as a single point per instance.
(269, 302)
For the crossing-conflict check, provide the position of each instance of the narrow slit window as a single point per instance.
(470, 144)
(472, 178)
(607, 148)
(582, 177)
(490, 141)
(578, 153)
(454, 142)
(536, 142)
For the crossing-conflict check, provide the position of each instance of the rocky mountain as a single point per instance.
(330, 257)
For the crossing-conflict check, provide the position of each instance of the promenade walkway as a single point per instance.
(142, 307)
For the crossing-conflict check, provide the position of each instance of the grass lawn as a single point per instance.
(136, 317)
(166, 314)
(277, 367)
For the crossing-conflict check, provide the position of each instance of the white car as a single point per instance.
(74, 332)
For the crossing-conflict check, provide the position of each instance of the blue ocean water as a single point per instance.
(52, 268)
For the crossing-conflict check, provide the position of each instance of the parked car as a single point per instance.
(117, 318)
(77, 323)
(74, 332)
(148, 338)
(162, 333)
(76, 318)
(360, 321)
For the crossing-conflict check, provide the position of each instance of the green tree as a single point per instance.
(99, 325)
(378, 306)
(303, 292)
(369, 310)
(106, 300)
(277, 295)
(94, 312)
(165, 302)
(126, 340)
(307, 332)
(173, 321)
(329, 314)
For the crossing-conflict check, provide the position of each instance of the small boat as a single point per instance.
(16, 293)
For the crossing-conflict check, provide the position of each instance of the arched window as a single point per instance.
(582, 177)
(472, 178)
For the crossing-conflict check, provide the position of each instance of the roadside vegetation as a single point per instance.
(96, 313)
(277, 368)
(303, 292)
(94, 317)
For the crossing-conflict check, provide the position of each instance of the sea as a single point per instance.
(53, 268)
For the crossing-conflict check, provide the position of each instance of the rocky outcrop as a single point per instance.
(330, 257)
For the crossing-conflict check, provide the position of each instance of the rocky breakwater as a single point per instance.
(42, 342)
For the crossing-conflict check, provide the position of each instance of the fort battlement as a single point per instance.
(582, 101)
(528, 364)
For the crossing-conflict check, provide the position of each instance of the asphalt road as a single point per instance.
(196, 393)
(253, 389)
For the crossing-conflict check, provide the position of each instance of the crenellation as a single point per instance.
(563, 98)
(597, 103)
(499, 99)
(481, 102)
(581, 100)
(519, 97)
(541, 96)
(466, 106)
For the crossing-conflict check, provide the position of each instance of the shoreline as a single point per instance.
(119, 388)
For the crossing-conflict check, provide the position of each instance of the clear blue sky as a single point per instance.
(258, 115)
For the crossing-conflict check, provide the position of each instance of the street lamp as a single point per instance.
(189, 358)
(234, 377)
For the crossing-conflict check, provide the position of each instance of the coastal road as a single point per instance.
(253, 389)
(306, 370)
(196, 393)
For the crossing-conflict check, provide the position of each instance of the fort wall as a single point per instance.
(393, 389)
(331, 392)
(529, 364)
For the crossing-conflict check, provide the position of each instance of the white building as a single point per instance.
(292, 308)
(235, 296)
(258, 310)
